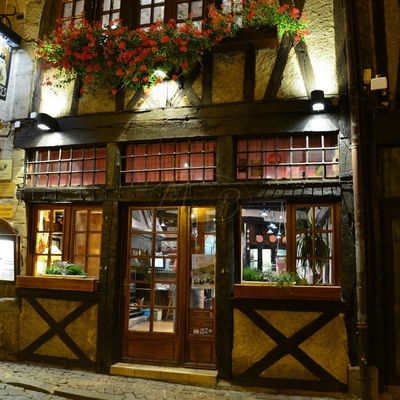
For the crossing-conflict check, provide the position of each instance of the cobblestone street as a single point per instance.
(22, 381)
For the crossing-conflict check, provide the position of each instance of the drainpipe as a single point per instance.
(361, 280)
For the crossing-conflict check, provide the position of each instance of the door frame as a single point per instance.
(173, 348)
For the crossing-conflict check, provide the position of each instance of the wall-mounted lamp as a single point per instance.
(45, 122)
(318, 100)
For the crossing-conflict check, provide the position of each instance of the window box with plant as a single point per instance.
(289, 251)
(107, 52)
(59, 234)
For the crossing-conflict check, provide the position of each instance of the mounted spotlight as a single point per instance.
(318, 100)
(46, 123)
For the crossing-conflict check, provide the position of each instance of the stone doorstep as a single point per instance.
(169, 374)
(61, 391)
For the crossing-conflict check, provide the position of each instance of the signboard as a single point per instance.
(7, 258)
(6, 211)
(203, 271)
(5, 62)
(7, 189)
(8, 40)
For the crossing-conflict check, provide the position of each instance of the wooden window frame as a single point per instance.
(128, 174)
(266, 160)
(290, 208)
(130, 10)
(55, 166)
(67, 251)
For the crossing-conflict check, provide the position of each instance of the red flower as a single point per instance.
(295, 12)
(164, 39)
(183, 49)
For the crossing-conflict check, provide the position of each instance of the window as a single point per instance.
(109, 10)
(66, 167)
(157, 162)
(71, 11)
(290, 243)
(288, 157)
(66, 233)
(143, 12)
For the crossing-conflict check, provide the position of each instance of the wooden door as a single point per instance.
(168, 286)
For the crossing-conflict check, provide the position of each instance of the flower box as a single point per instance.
(57, 282)
(259, 38)
(296, 292)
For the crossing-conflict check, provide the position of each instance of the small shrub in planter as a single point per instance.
(64, 268)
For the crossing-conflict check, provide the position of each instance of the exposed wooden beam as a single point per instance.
(120, 100)
(134, 99)
(306, 68)
(275, 79)
(218, 120)
(206, 96)
(187, 89)
(249, 79)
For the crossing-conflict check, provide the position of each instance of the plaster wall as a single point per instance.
(83, 330)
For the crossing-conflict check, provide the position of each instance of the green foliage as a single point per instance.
(281, 280)
(250, 274)
(64, 268)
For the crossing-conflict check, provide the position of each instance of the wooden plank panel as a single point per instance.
(201, 351)
(156, 349)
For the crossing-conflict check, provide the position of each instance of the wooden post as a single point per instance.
(113, 166)
(226, 220)
(109, 332)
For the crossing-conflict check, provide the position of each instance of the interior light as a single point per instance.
(263, 213)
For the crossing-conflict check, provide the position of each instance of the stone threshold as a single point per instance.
(169, 374)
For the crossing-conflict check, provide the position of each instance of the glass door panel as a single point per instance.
(153, 270)
(200, 344)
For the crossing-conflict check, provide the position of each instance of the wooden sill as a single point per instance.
(262, 38)
(258, 290)
(71, 283)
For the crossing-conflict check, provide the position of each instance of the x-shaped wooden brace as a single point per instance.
(57, 328)
(290, 345)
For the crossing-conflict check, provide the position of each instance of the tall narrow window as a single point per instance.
(192, 9)
(109, 10)
(71, 234)
(153, 258)
(150, 12)
(71, 11)
(314, 243)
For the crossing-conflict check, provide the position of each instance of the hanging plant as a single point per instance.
(100, 55)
